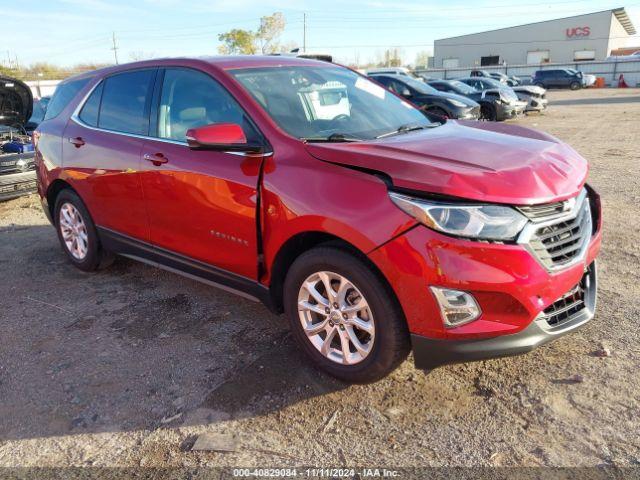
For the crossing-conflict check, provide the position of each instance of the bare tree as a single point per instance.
(271, 27)
(138, 55)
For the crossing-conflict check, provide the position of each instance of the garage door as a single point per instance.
(540, 56)
(584, 55)
(450, 63)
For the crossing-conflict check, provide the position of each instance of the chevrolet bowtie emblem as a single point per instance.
(569, 204)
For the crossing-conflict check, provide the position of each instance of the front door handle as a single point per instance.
(77, 141)
(156, 158)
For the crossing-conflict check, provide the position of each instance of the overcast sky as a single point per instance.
(68, 32)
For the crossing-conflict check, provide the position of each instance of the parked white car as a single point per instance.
(589, 80)
(534, 96)
(625, 58)
(393, 71)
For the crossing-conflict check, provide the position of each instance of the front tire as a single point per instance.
(488, 112)
(439, 112)
(344, 316)
(77, 233)
(574, 86)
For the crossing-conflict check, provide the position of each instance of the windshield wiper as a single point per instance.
(333, 138)
(412, 127)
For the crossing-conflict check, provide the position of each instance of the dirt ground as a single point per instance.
(125, 367)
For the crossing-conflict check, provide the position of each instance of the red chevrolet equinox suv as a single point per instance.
(304, 185)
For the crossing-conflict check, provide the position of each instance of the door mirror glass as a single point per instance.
(405, 92)
(220, 136)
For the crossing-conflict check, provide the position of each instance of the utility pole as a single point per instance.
(115, 47)
(304, 32)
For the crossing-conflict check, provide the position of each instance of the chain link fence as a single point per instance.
(609, 70)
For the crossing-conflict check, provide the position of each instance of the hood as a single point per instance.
(16, 102)
(454, 96)
(507, 94)
(479, 161)
(533, 89)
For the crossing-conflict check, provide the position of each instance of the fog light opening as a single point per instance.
(456, 307)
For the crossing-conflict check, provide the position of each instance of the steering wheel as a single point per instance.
(341, 117)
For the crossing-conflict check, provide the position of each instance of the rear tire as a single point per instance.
(77, 233)
(367, 317)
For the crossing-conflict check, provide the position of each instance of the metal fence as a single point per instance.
(609, 70)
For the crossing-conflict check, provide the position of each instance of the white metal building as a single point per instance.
(580, 38)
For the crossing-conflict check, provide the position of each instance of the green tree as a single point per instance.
(237, 42)
(247, 42)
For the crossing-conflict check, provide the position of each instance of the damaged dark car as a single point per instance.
(17, 168)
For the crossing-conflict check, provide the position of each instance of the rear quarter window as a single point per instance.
(89, 112)
(63, 95)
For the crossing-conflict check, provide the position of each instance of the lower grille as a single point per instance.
(573, 303)
(18, 187)
(17, 183)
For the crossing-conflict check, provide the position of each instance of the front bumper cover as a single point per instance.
(431, 353)
(536, 104)
(17, 184)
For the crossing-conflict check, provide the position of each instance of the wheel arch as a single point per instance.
(53, 191)
(302, 242)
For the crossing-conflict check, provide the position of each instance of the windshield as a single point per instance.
(321, 102)
(462, 87)
(493, 82)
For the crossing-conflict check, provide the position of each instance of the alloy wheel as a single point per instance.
(74, 231)
(336, 318)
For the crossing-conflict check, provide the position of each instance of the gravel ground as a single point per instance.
(127, 366)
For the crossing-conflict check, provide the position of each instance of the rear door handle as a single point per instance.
(156, 158)
(77, 141)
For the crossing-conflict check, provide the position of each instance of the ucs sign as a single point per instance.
(578, 32)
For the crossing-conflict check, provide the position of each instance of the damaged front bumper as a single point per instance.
(431, 353)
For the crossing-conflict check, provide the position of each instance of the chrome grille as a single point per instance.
(543, 212)
(559, 232)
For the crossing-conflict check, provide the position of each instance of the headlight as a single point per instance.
(488, 222)
(457, 103)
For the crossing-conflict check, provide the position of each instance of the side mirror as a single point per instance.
(220, 137)
(406, 93)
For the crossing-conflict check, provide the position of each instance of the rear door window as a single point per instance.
(125, 102)
(65, 92)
